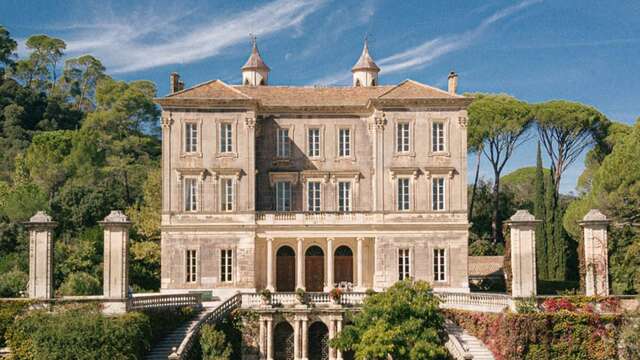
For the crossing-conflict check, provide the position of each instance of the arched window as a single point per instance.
(357, 82)
(262, 82)
(373, 82)
(246, 81)
(314, 251)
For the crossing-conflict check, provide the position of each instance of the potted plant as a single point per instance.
(265, 296)
(300, 295)
(335, 294)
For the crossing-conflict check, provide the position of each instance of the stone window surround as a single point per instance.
(447, 173)
(290, 128)
(278, 198)
(186, 265)
(411, 152)
(234, 268)
(352, 142)
(447, 131)
(234, 138)
(446, 281)
(406, 173)
(234, 175)
(347, 176)
(321, 129)
(183, 133)
(411, 260)
(193, 173)
(316, 176)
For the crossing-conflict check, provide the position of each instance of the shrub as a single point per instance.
(8, 311)
(630, 338)
(560, 335)
(13, 283)
(80, 283)
(214, 344)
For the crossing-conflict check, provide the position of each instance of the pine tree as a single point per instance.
(540, 214)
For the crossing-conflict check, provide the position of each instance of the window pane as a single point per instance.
(403, 194)
(283, 196)
(313, 196)
(344, 145)
(344, 196)
(283, 148)
(226, 138)
(314, 142)
(227, 194)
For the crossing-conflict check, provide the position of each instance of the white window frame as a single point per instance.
(345, 142)
(190, 194)
(227, 194)
(282, 195)
(191, 266)
(438, 193)
(283, 143)
(438, 136)
(314, 197)
(314, 142)
(401, 196)
(404, 263)
(439, 264)
(191, 137)
(226, 265)
(348, 200)
(226, 137)
(402, 142)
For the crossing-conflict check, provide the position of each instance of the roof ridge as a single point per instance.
(433, 88)
(232, 88)
(193, 87)
(393, 88)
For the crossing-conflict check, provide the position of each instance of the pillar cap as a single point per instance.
(116, 217)
(522, 216)
(41, 218)
(594, 216)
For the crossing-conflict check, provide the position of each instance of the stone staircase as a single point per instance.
(468, 347)
(163, 348)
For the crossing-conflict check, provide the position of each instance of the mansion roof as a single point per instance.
(217, 92)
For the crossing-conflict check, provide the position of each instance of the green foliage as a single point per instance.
(23, 201)
(80, 283)
(145, 215)
(522, 184)
(403, 322)
(13, 283)
(483, 212)
(9, 310)
(81, 76)
(7, 48)
(630, 338)
(543, 336)
(214, 344)
(145, 266)
(79, 332)
(483, 247)
(540, 213)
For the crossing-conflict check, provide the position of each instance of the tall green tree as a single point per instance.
(81, 76)
(40, 69)
(540, 214)
(7, 49)
(498, 125)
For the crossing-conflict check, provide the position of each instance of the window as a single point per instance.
(192, 266)
(314, 143)
(190, 137)
(437, 137)
(283, 148)
(226, 265)
(227, 194)
(344, 196)
(226, 138)
(190, 194)
(403, 194)
(439, 265)
(313, 196)
(344, 143)
(283, 196)
(437, 194)
(404, 264)
(402, 141)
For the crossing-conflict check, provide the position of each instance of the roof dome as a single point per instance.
(255, 61)
(365, 62)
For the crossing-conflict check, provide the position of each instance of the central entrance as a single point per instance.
(283, 342)
(314, 269)
(343, 265)
(285, 269)
(318, 341)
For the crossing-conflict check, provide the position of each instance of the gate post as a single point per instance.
(594, 226)
(523, 254)
(41, 242)
(116, 262)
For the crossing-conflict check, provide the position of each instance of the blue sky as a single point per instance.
(536, 50)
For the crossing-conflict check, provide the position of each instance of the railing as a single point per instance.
(475, 301)
(355, 217)
(250, 300)
(147, 302)
(214, 316)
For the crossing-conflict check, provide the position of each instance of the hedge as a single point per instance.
(83, 332)
(542, 336)
(9, 310)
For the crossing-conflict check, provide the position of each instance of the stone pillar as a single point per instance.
(250, 123)
(296, 338)
(167, 179)
(300, 264)
(378, 157)
(116, 263)
(596, 262)
(269, 338)
(523, 254)
(338, 330)
(330, 281)
(305, 338)
(262, 341)
(40, 256)
(332, 334)
(360, 264)
(270, 286)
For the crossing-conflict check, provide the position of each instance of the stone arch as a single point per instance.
(283, 341)
(314, 268)
(343, 264)
(357, 82)
(318, 341)
(285, 268)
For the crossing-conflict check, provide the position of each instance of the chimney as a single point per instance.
(453, 83)
(175, 84)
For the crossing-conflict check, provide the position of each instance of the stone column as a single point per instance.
(269, 338)
(360, 264)
(297, 337)
(167, 179)
(596, 262)
(270, 286)
(116, 264)
(338, 330)
(332, 334)
(305, 338)
(330, 281)
(262, 341)
(40, 256)
(300, 264)
(250, 123)
(523, 254)
(378, 156)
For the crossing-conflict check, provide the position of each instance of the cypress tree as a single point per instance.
(540, 214)
(552, 255)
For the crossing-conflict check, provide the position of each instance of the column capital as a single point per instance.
(115, 219)
(331, 238)
(300, 238)
(40, 220)
(522, 218)
(269, 239)
(360, 238)
(594, 217)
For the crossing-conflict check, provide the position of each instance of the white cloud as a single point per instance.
(144, 41)
(420, 56)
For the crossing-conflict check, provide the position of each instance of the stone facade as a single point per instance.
(41, 256)
(285, 187)
(596, 258)
(523, 254)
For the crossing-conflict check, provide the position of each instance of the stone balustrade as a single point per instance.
(250, 300)
(163, 301)
(330, 217)
(485, 302)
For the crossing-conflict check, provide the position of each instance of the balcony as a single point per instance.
(354, 218)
